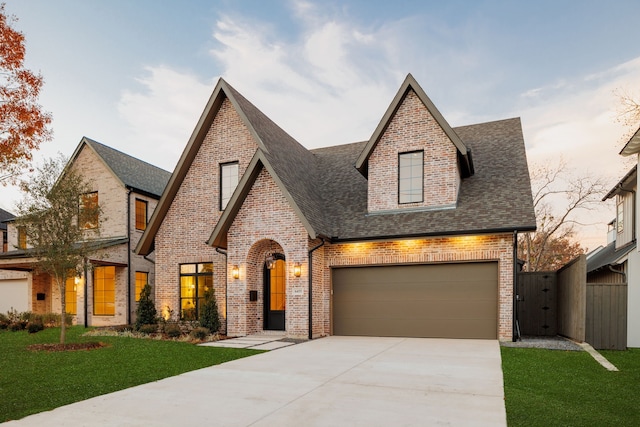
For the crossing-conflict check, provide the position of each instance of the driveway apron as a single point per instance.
(333, 381)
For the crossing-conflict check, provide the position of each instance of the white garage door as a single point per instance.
(14, 293)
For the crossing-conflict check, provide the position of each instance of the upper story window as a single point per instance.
(410, 177)
(228, 182)
(88, 211)
(620, 218)
(22, 238)
(141, 215)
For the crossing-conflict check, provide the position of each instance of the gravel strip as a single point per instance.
(549, 343)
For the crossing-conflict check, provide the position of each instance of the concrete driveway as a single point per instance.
(333, 381)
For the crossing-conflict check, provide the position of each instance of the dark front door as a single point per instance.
(275, 295)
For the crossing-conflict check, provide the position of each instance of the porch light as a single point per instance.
(235, 271)
(297, 269)
(270, 261)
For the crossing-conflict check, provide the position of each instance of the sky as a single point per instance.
(136, 74)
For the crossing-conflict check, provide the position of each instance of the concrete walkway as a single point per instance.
(334, 381)
(254, 342)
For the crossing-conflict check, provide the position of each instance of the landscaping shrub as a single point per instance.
(199, 333)
(4, 321)
(148, 329)
(123, 328)
(209, 316)
(17, 326)
(172, 330)
(146, 313)
(35, 326)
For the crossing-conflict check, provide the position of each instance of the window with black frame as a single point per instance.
(195, 280)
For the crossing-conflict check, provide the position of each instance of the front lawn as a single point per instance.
(567, 388)
(32, 382)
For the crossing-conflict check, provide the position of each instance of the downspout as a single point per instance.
(129, 257)
(516, 325)
(226, 290)
(311, 288)
(624, 275)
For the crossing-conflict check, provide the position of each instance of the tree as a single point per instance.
(55, 214)
(23, 123)
(146, 312)
(558, 198)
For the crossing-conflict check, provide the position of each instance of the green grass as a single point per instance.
(566, 388)
(32, 382)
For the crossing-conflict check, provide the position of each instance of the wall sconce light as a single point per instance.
(297, 269)
(235, 272)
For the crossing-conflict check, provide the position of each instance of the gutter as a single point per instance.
(226, 290)
(311, 288)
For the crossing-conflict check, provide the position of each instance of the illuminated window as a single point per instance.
(22, 238)
(71, 294)
(195, 279)
(104, 291)
(88, 211)
(410, 177)
(228, 182)
(141, 215)
(142, 278)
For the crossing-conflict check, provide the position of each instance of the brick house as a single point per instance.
(410, 233)
(127, 189)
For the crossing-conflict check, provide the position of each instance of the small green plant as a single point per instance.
(172, 330)
(209, 316)
(4, 321)
(146, 313)
(123, 328)
(16, 326)
(148, 329)
(35, 326)
(199, 333)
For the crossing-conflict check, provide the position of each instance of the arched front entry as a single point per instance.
(275, 295)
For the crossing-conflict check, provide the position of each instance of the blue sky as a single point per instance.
(136, 75)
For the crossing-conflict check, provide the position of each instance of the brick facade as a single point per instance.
(413, 128)
(195, 211)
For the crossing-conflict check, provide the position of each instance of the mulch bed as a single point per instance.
(76, 346)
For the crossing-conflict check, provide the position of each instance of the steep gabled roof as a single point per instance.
(286, 160)
(133, 173)
(497, 198)
(408, 85)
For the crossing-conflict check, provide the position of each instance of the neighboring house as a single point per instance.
(625, 193)
(410, 233)
(127, 190)
(4, 217)
(13, 284)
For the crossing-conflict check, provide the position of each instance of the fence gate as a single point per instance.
(536, 304)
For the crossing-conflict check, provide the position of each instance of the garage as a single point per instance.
(434, 301)
(14, 293)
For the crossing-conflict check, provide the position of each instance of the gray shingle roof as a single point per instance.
(134, 173)
(5, 216)
(608, 255)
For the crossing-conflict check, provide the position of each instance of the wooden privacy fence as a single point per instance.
(606, 317)
(563, 303)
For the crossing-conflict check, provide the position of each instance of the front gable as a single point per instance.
(414, 159)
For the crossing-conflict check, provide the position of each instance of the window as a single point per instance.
(195, 279)
(142, 278)
(70, 294)
(22, 238)
(88, 211)
(104, 291)
(141, 215)
(410, 177)
(228, 182)
(620, 218)
(5, 242)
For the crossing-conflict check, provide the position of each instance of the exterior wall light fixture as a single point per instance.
(297, 269)
(235, 271)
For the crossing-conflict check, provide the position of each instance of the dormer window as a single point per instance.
(411, 177)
